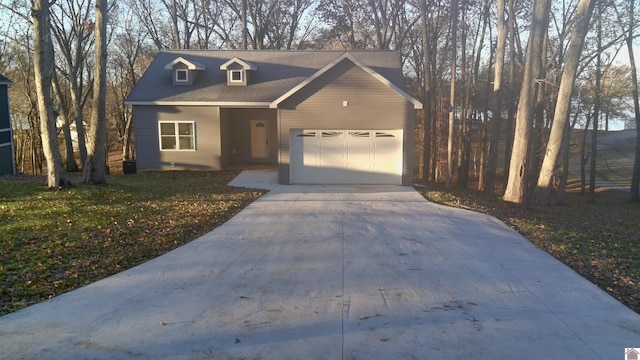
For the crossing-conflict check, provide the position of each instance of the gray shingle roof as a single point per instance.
(278, 72)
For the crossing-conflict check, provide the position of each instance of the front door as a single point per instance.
(259, 139)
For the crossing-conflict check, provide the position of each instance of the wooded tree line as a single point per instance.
(512, 89)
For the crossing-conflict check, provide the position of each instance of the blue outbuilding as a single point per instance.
(7, 164)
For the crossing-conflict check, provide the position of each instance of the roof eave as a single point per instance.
(230, 104)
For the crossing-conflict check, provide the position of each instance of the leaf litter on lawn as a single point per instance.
(53, 241)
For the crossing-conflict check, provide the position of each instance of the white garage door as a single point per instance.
(346, 156)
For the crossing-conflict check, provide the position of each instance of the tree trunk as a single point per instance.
(496, 101)
(174, 24)
(537, 137)
(512, 104)
(635, 178)
(591, 198)
(70, 162)
(584, 156)
(243, 21)
(427, 118)
(566, 144)
(43, 71)
(594, 152)
(483, 147)
(563, 103)
(128, 130)
(94, 170)
(516, 190)
(452, 94)
(482, 161)
(465, 115)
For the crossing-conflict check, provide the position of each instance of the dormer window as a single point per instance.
(182, 75)
(238, 71)
(184, 71)
(236, 76)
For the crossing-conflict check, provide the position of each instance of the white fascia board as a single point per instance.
(416, 104)
(191, 65)
(229, 104)
(246, 65)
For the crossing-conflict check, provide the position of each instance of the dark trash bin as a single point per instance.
(129, 167)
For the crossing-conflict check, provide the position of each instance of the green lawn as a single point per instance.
(53, 241)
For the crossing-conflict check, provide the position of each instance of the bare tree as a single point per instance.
(514, 61)
(591, 197)
(275, 23)
(563, 102)
(63, 114)
(516, 190)
(635, 178)
(427, 91)
(496, 99)
(173, 10)
(43, 71)
(363, 24)
(129, 57)
(152, 17)
(94, 170)
(72, 31)
(452, 93)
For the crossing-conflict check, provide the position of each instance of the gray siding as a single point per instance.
(6, 134)
(224, 138)
(6, 160)
(5, 121)
(371, 106)
(207, 155)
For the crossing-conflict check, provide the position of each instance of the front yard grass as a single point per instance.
(599, 241)
(53, 241)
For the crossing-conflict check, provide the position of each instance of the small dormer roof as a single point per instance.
(191, 65)
(245, 64)
(5, 81)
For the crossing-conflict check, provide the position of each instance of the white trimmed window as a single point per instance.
(182, 75)
(177, 136)
(236, 76)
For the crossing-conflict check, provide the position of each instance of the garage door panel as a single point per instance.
(388, 153)
(359, 151)
(346, 156)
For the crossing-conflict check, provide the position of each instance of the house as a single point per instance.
(631, 354)
(323, 117)
(7, 165)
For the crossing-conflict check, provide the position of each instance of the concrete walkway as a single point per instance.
(335, 272)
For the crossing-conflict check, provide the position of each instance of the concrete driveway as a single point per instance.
(335, 272)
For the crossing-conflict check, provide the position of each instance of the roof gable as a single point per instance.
(361, 65)
(190, 64)
(244, 64)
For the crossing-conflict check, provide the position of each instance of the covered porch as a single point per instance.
(249, 137)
